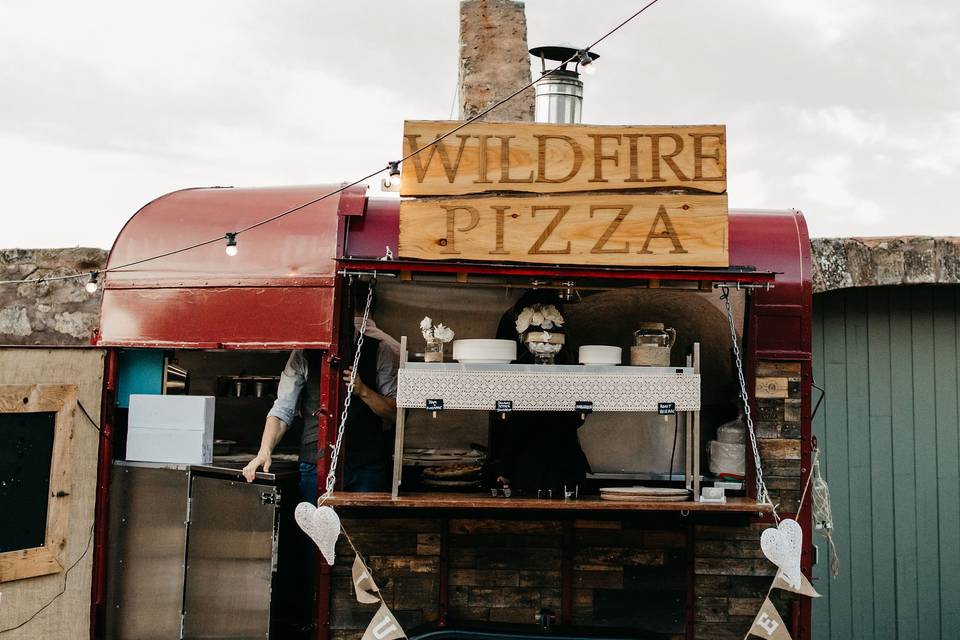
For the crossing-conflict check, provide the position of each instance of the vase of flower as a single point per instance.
(544, 345)
(540, 327)
(436, 337)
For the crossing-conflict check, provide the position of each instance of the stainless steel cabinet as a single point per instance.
(193, 553)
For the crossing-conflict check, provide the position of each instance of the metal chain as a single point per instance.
(335, 448)
(763, 495)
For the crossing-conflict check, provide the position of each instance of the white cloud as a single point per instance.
(846, 110)
(828, 183)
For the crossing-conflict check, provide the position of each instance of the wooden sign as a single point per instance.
(609, 229)
(550, 158)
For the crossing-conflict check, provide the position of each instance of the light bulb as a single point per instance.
(391, 182)
(585, 63)
(91, 286)
(232, 248)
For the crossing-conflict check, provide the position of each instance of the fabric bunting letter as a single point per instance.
(384, 626)
(363, 584)
(768, 623)
(805, 588)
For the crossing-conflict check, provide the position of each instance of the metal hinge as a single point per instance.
(268, 497)
(189, 510)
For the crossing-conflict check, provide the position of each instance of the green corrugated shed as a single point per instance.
(890, 435)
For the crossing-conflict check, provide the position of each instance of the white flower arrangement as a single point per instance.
(544, 316)
(439, 332)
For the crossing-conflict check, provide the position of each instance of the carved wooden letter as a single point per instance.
(536, 248)
(656, 156)
(501, 211)
(600, 246)
(599, 157)
(449, 244)
(505, 162)
(698, 156)
(668, 233)
(542, 157)
(439, 148)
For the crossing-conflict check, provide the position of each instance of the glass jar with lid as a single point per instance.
(652, 342)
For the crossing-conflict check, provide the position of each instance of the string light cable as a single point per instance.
(231, 236)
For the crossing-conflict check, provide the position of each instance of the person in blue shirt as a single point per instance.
(374, 407)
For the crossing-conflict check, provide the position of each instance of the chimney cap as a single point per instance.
(560, 53)
(565, 55)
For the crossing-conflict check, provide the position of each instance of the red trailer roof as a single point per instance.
(276, 292)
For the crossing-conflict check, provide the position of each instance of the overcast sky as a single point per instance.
(849, 111)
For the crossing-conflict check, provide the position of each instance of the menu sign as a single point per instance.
(565, 194)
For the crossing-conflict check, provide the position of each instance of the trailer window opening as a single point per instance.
(617, 445)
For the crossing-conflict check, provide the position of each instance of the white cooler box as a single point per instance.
(170, 429)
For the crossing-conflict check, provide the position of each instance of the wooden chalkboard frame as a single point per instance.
(60, 399)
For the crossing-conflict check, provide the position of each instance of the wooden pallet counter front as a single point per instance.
(470, 501)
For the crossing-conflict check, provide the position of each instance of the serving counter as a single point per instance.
(471, 501)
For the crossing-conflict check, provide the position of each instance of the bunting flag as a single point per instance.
(804, 589)
(385, 627)
(767, 624)
(363, 584)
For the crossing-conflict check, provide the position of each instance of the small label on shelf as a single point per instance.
(667, 408)
(504, 406)
(583, 406)
(434, 405)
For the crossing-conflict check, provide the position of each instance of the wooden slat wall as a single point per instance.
(67, 615)
(890, 433)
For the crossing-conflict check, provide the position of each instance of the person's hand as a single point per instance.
(262, 459)
(359, 388)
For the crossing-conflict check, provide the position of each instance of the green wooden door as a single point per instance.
(890, 439)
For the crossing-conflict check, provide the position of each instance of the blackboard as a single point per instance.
(26, 447)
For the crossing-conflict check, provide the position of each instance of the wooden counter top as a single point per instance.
(479, 501)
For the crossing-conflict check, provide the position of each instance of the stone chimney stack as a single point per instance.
(493, 59)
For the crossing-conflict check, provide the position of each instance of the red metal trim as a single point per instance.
(566, 574)
(443, 599)
(330, 402)
(211, 283)
(526, 270)
(690, 631)
(353, 202)
(98, 595)
(804, 620)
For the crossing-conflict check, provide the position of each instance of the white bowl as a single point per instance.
(600, 354)
(480, 351)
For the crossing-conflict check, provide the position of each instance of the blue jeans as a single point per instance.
(362, 478)
(308, 483)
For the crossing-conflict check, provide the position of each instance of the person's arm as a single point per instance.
(273, 430)
(281, 415)
(382, 405)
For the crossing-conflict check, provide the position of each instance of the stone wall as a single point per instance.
(60, 312)
(839, 263)
(494, 61)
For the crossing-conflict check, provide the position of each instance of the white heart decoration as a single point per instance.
(782, 546)
(322, 525)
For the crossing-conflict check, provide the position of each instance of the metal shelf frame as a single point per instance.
(478, 387)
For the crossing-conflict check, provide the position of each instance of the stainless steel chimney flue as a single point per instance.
(559, 96)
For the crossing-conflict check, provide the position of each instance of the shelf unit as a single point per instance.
(480, 387)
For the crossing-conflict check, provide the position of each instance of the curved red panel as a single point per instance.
(275, 293)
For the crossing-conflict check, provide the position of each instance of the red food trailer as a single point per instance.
(445, 560)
